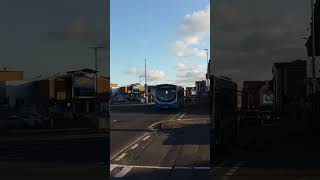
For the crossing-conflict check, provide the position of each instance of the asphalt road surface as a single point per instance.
(179, 149)
(54, 156)
(281, 151)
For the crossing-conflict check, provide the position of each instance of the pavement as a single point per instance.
(54, 155)
(283, 151)
(168, 144)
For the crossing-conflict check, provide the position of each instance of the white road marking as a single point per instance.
(114, 120)
(123, 171)
(160, 167)
(112, 166)
(128, 146)
(121, 156)
(181, 116)
(182, 167)
(145, 138)
(232, 171)
(205, 168)
(134, 146)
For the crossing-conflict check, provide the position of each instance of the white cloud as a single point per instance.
(152, 75)
(186, 52)
(155, 75)
(132, 71)
(189, 71)
(193, 29)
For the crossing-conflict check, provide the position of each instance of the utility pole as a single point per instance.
(313, 47)
(95, 48)
(145, 80)
(207, 80)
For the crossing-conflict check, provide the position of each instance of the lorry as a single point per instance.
(250, 103)
(266, 111)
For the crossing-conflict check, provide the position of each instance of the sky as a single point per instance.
(52, 36)
(169, 34)
(248, 36)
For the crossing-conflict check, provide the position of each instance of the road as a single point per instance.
(62, 155)
(271, 152)
(179, 149)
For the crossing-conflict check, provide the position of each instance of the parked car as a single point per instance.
(32, 120)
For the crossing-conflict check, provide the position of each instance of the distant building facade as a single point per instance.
(289, 82)
(201, 88)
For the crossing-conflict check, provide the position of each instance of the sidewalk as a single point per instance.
(24, 132)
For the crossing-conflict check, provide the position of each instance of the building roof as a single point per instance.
(85, 70)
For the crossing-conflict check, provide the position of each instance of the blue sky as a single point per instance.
(171, 34)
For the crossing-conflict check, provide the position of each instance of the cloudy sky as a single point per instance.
(52, 36)
(171, 34)
(248, 36)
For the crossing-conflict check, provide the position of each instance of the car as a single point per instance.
(32, 120)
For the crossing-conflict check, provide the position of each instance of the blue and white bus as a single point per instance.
(169, 96)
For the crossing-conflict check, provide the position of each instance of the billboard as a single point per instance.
(84, 82)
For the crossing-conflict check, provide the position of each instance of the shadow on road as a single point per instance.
(276, 150)
(169, 174)
(187, 134)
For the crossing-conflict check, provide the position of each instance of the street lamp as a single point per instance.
(207, 81)
(145, 80)
(313, 47)
(95, 48)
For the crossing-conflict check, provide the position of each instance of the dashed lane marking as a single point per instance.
(134, 146)
(123, 171)
(128, 146)
(145, 138)
(114, 120)
(234, 169)
(121, 156)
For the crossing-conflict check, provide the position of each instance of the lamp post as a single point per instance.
(145, 80)
(95, 48)
(207, 81)
(313, 47)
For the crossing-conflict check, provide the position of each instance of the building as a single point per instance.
(73, 91)
(201, 88)
(190, 91)
(250, 94)
(7, 75)
(151, 92)
(289, 82)
(308, 45)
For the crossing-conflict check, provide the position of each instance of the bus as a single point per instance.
(169, 96)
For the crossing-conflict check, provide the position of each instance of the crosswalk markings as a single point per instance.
(123, 171)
